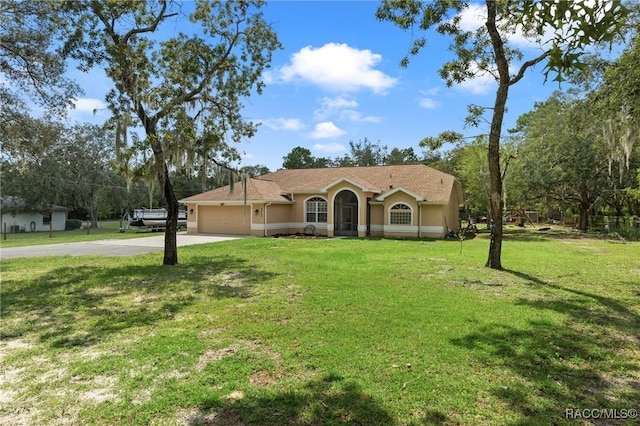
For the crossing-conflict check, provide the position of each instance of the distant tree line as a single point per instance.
(45, 162)
(361, 153)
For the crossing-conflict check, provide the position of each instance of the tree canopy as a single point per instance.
(184, 89)
(560, 29)
(32, 61)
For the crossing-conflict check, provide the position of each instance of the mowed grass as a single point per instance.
(325, 332)
(105, 230)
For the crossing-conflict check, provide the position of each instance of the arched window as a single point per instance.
(316, 210)
(400, 214)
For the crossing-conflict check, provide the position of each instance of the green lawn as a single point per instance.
(105, 230)
(325, 332)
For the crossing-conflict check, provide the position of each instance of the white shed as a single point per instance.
(15, 217)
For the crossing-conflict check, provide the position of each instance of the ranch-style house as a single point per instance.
(393, 201)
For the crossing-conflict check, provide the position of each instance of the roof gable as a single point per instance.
(366, 187)
(399, 189)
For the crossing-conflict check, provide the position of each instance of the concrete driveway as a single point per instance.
(110, 247)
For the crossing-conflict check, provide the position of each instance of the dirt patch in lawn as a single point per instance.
(215, 355)
(262, 379)
(225, 417)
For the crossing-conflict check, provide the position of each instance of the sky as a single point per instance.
(338, 79)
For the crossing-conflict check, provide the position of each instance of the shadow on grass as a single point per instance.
(327, 401)
(407, 239)
(542, 234)
(80, 305)
(585, 306)
(585, 362)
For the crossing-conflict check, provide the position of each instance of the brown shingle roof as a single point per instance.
(257, 189)
(426, 182)
(429, 183)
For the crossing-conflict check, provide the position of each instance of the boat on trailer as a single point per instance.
(155, 219)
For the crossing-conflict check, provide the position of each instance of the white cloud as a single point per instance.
(292, 124)
(475, 17)
(428, 103)
(88, 105)
(479, 85)
(336, 67)
(353, 115)
(326, 130)
(433, 91)
(331, 107)
(332, 147)
(343, 107)
(483, 82)
(427, 100)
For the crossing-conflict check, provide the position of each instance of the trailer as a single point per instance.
(153, 219)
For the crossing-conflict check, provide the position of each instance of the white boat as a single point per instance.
(155, 218)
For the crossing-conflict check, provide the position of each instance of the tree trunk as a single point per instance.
(494, 259)
(170, 234)
(583, 221)
(171, 225)
(93, 211)
(94, 218)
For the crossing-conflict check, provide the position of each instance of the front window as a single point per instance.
(316, 210)
(400, 214)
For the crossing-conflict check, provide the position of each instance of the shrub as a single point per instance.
(72, 224)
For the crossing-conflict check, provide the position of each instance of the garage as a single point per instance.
(224, 220)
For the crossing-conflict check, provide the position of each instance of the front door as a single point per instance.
(346, 214)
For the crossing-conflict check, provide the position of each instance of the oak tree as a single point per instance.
(164, 63)
(561, 30)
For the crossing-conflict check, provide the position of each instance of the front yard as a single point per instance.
(334, 331)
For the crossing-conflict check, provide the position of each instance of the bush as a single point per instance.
(72, 224)
(629, 233)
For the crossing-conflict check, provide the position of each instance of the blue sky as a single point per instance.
(338, 79)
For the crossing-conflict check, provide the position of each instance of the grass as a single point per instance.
(314, 332)
(105, 230)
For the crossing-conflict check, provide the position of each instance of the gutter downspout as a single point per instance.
(265, 218)
(419, 220)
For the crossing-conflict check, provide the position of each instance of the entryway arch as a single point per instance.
(345, 214)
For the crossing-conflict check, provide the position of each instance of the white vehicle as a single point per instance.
(154, 219)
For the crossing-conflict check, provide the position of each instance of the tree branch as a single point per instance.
(516, 78)
(161, 16)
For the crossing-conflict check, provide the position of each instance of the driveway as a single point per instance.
(110, 247)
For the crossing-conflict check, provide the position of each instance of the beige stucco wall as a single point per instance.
(297, 210)
(428, 220)
(279, 219)
(432, 221)
(377, 220)
(409, 230)
(257, 219)
(401, 197)
(452, 210)
(192, 218)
